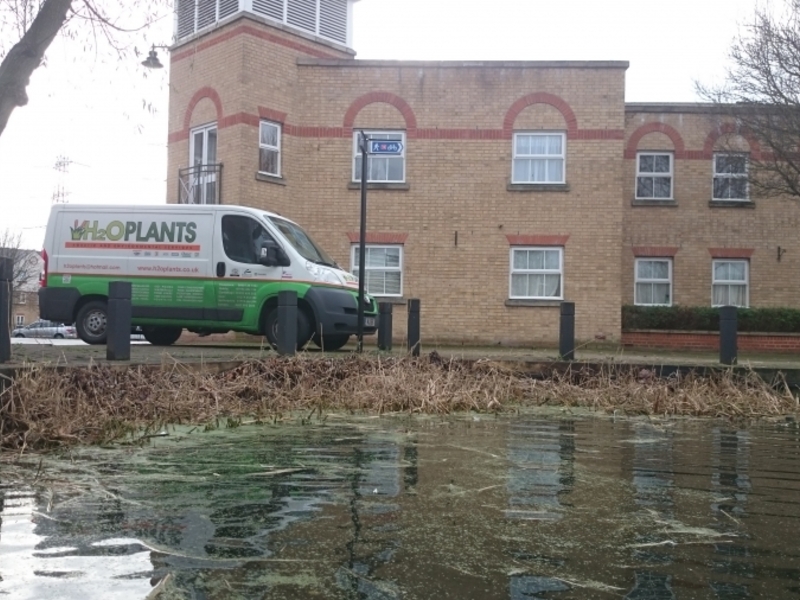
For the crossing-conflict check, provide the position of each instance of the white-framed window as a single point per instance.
(383, 265)
(654, 176)
(381, 168)
(536, 274)
(539, 157)
(19, 320)
(653, 282)
(269, 148)
(729, 283)
(730, 177)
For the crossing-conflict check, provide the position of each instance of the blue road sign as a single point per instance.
(385, 147)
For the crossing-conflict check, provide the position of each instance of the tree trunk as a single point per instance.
(26, 55)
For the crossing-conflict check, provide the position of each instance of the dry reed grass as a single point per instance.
(44, 407)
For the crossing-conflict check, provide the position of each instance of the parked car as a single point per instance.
(45, 329)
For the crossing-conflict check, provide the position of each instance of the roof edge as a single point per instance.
(456, 64)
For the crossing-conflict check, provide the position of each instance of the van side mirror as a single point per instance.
(272, 255)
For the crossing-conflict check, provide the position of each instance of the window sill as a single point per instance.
(537, 187)
(731, 204)
(270, 179)
(638, 202)
(390, 300)
(403, 187)
(546, 303)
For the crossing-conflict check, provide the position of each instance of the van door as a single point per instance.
(241, 282)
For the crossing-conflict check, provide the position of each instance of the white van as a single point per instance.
(205, 268)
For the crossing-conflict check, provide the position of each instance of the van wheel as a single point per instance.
(92, 321)
(329, 343)
(162, 336)
(58, 336)
(304, 331)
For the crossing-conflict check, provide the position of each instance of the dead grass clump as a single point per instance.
(44, 407)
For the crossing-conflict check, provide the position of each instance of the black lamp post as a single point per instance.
(363, 143)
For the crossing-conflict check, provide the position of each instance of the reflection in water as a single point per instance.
(653, 483)
(541, 454)
(730, 485)
(37, 561)
(381, 509)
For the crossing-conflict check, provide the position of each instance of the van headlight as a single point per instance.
(323, 274)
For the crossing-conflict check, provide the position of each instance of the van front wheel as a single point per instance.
(304, 331)
(92, 322)
(161, 336)
(329, 343)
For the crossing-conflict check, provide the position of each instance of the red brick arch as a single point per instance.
(385, 97)
(541, 98)
(202, 93)
(655, 127)
(726, 128)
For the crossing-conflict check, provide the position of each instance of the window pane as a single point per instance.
(393, 257)
(520, 259)
(269, 134)
(538, 144)
(644, 269)
(555, 170)
(376, 257)
(395, 169)
(662, 187)
(722, 271)
(661, 164)
(522, 170)
(211, 152)
(644, 187)
(737, 295)
(519, 285)
(392, 279)
(538, 171)
(523, 144)
(719, 295)
(646, 162)
(738, 188)
(536, 259)
(551, 259)
(268, 161)
(736, 271)
(660, 269)
(722, 188)
(555, 144)
(644, 293)
(661, 293)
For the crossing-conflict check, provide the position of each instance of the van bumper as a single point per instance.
(58, 304)
(336, 312)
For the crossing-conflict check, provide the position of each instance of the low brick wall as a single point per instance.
(704, 340)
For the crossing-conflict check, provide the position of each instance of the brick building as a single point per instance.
(519, 184)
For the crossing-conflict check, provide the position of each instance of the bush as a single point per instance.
(706, 318)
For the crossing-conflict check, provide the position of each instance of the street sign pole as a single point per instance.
(363, 142)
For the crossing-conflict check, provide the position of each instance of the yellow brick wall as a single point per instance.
(693, 225)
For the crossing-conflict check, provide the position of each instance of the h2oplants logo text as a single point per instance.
(136, 231)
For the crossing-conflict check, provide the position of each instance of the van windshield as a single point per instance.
(302, 242)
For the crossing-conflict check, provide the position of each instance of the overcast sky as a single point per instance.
(93, 110)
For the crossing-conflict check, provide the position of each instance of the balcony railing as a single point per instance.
(200, 184)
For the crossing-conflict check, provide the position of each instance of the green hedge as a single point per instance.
(706, 318)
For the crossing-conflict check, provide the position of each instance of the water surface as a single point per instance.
(517, 508)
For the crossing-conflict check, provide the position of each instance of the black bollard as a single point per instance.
(118, 323)
(384, 326)
(728, 342)
(413, 326)
(287, 323)
(6, 277)
(566, 331)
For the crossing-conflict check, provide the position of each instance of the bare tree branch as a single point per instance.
(39, 21)
(761, 96)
